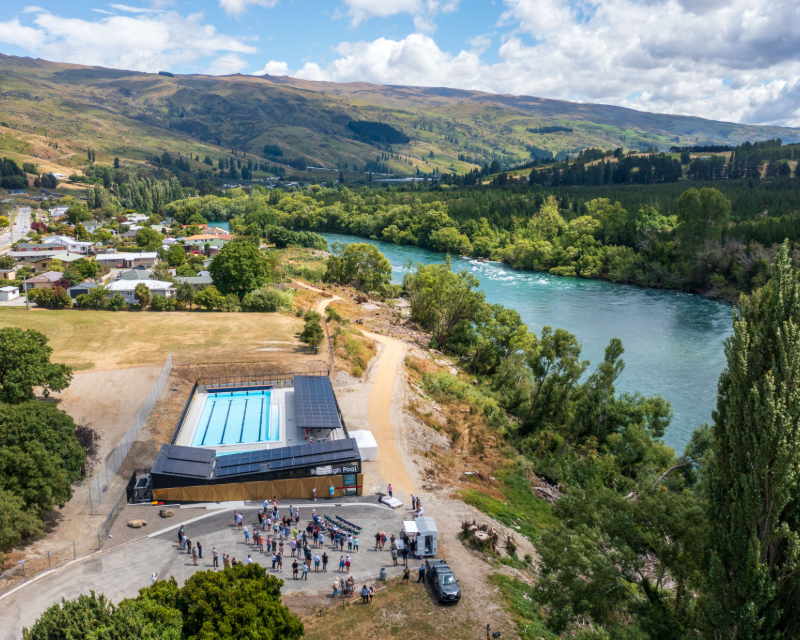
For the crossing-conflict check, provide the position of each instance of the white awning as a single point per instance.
(410, 526)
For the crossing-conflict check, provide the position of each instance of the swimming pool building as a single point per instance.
(255, 441)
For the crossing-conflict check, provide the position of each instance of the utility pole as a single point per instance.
(25, 286)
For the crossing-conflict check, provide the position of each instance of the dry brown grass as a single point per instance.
(112, 340)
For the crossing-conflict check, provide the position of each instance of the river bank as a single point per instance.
(673, 340)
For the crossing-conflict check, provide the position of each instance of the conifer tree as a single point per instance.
(754, 473)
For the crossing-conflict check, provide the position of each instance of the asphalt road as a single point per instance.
(22, 225)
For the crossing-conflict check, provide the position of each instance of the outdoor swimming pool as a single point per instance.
(237, 417)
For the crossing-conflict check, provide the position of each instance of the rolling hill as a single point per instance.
(53, 112)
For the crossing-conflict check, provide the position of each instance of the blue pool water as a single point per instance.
(237, 417)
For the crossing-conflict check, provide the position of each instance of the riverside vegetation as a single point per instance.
(645, 543)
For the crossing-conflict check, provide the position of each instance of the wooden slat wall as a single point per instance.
(295, 488)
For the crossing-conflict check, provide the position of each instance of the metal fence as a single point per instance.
(103, 479)
(54, 558)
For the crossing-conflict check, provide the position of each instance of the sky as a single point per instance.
(731, 60)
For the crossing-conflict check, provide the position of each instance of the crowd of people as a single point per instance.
(277, 534)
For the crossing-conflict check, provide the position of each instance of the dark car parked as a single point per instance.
(442, 581)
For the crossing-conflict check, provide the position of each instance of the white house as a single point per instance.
(9, 293)
(136, 217)
(57, 212)
(73, 245)
(129, 260)
(128, 287)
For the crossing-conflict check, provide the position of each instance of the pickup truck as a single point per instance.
(442, 581)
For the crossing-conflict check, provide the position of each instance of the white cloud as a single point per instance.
(238, 7)
(361, 10)
(274, 68)
(147, 42)
(16, 34)
(735, 61)
(129, 9)
(225, 65)
(423, 11)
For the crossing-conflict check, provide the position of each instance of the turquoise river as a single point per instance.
(673, 341)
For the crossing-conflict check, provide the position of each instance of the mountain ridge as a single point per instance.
(133, 115)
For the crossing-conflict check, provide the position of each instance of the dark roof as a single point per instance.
(184, 461)
(327, 452)
(204, 463)
(315, 404)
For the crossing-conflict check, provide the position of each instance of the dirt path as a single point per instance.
(380, 406)
(381, 399)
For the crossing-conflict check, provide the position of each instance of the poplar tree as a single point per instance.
(754, 473)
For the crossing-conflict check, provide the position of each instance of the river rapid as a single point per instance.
(673, 341)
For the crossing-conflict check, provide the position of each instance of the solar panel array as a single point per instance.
(187, 461)
(301, 455)
(314, 403)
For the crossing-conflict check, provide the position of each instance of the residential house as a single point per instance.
(57, 212)
(202, 238)
(72, 244)
(79, 289)
(29, 252)
(135, 274)
(66, 258)
(128, 287)
(129, 260)
(8, 293)
(135, 218)
(196, 281)
(46, 280)
(8, 274)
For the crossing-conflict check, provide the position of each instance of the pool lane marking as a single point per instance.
(260, 419)
(244, 417)
(225, 426)
(211, 413)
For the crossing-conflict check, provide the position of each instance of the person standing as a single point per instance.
(371, 594)
(280, 562)
(413, 502)
(364, 595)
(249, 559)
(406, 573)
(235, 518)
(239, 521)
(341, 563)
(188, 545)
(199, 550)
(274, 561)
(394, 557)
(305, 570)
(355, 543)
(297, 515)
(181, 531)
(330, 491)
(378, 537)
(421, 573)
(246, 536)
(215, 557)
(324, 562)
(194, 556)
(314, 491)
(390, 489)
(405, 555)
(347, 563)
(349, 542)
(154, 578)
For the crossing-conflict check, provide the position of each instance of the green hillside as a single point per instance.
(54, 112)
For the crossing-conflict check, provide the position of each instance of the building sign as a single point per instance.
(333, 471)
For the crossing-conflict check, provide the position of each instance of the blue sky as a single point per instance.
(733, 60)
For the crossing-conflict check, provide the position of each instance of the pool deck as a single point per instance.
(281, 399)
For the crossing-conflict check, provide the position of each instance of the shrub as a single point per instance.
(117, 302)
(159, 303)
(267, 300)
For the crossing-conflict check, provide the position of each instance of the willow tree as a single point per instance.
(754, 474)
